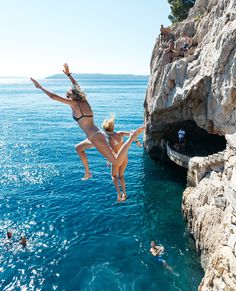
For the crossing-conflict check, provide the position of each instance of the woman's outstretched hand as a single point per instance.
(66, 69)
(36, 83)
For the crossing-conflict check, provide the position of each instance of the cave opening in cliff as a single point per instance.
(198, 141)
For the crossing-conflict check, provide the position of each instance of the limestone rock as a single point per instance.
(210, 211)
(201, 87)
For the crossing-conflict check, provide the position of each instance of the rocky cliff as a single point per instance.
(200, 87)
(210, 211)
(197, 91)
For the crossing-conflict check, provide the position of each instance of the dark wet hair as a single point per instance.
(9, 234)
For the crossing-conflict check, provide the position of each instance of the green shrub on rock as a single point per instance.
(179, 9)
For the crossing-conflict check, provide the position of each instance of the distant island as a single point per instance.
(99, 76)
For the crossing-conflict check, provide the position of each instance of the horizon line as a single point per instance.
(117, 74)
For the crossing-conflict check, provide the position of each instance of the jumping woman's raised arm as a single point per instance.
(50, 94)
(66, 71)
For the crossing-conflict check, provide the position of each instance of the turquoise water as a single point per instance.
(79, 237)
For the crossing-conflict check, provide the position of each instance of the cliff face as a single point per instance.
(199, 87)
(197, 91)
(210, 211)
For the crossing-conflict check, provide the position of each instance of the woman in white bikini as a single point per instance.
(116, 141)
(83, 115)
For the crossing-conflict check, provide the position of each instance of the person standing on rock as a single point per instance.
(181, 137)
(165, 31)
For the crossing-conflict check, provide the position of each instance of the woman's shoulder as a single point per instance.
(73, 103)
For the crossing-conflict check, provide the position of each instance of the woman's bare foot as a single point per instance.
(119, 199)
(124, 196)
(87, 176)
(134, 133)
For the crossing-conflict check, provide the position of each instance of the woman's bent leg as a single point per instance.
(80, 148)
(100, 142)
(123, 152)
(114, 174)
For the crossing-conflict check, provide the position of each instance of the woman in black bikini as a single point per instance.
(83, 115)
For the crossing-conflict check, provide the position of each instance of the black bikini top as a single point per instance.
(81, 95)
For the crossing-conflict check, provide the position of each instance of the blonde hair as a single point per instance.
(109, 124)
(75, 93)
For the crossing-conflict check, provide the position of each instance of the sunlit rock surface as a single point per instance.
(200, 87)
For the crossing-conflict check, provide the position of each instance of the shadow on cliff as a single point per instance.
(198, 142)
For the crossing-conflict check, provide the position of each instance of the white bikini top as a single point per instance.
(115, 141)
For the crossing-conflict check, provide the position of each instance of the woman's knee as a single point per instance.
(121, 177)
(115, 162)
(114, 177)
(114, 170)
(79, 148)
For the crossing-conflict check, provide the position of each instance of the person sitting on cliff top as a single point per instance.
(186, 45)
(170, 51)
(158, 252)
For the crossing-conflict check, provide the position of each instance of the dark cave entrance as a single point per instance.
(198, 141)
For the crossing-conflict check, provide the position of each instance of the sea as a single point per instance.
(78, 236)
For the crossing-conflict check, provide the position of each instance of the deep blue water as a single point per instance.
(79, 237)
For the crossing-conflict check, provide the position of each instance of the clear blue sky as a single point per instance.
(93, 36)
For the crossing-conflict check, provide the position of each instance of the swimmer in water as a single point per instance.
(9, 235)
(83, 115)
(158, 252)
(23, 241)
(8, 238)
